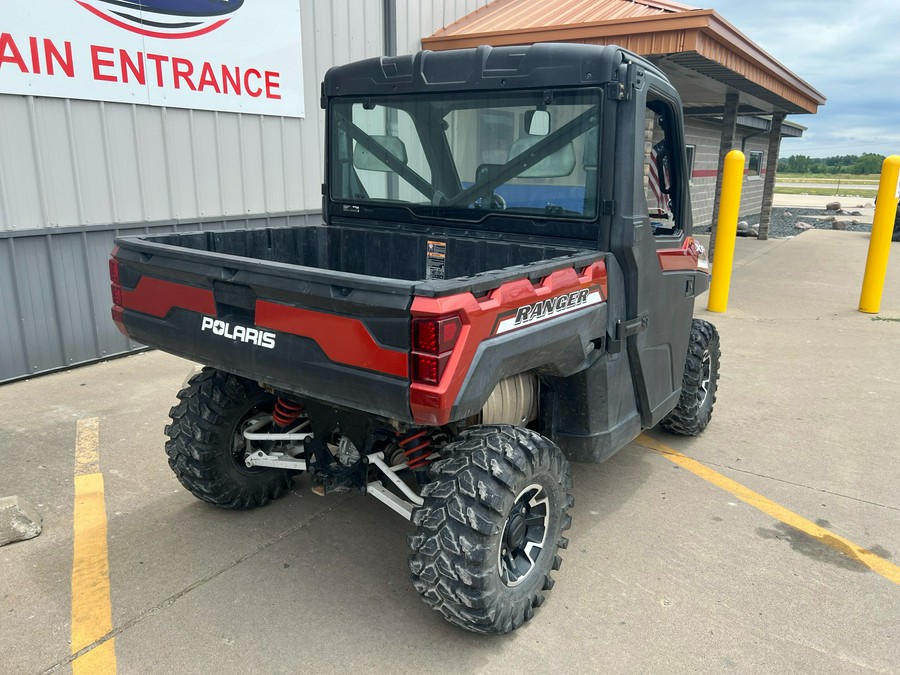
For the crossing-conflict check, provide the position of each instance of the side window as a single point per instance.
(662, 167)
(689, 151)
(754, 167)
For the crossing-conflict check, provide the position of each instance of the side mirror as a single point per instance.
(537, 122)
(365, 160)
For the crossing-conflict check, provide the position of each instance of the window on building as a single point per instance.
(689, 150)
(754, 168)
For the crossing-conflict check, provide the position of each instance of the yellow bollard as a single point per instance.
(880, 241)
(726, 231)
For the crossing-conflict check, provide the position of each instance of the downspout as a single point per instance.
(754, 135)
(389, 17)
(390, 27)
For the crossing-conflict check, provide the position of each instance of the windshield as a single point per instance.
(469, 156)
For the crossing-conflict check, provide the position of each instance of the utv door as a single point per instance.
(650, 243)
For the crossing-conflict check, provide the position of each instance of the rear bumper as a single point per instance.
(294, 364)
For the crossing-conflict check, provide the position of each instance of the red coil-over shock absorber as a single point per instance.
(286, 412)
(416, 447)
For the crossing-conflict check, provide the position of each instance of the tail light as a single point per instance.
(115, 279)
(114, 271)
(118, 317)
(433, 340)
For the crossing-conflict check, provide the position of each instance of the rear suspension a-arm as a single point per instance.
(403, 505)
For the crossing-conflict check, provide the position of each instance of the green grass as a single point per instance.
(886, 318)
(825, 192)
(829, 178)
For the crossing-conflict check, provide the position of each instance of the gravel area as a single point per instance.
(784, 220)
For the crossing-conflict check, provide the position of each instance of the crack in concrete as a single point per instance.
(801, 485)
(172, 599)
(841, 657)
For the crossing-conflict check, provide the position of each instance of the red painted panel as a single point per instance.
(157, 297)
(343, 339)
(686, 257)
(432, 404)
(709, 173)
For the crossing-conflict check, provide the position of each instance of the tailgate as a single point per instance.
(337, 337)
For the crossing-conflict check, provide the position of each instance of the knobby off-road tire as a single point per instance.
(498, 486)
(699, 383)
(205, 445)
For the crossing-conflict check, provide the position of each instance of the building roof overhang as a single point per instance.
(702, 54)
(756, 123)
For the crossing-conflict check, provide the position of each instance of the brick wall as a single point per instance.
(752, 192)
(705, 137)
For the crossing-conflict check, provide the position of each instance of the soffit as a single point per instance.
(701, 52)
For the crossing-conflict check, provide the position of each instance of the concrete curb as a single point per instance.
(19, 520)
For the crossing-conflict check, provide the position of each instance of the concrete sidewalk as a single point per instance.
(665, 572)
(865, 206)
(810, 385)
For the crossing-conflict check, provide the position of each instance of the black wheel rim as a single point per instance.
(254, 419)
(524, 535)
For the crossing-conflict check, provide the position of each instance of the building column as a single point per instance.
(765, 216)
(729, 123)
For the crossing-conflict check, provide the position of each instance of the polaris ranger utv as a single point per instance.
(503, 283)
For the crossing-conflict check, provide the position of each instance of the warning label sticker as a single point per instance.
(435, 258)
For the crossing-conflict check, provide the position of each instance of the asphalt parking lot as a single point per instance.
(668, 570)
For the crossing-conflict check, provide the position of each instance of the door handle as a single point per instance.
(625, 329)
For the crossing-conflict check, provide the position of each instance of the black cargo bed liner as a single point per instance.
(368, 259)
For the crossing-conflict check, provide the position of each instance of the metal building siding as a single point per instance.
(421, 18)
(20, 172)
(75, 174)
(12, 360)
(54, 293)
(67, 163)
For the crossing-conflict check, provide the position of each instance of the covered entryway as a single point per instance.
(735, 95)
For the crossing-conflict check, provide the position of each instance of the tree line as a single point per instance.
(867, 162)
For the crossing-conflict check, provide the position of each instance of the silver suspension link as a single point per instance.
(282, 460)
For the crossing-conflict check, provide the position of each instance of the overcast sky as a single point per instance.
(847, 49)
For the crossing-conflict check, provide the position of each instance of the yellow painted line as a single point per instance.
(87, 446)
(101, 660)
(828, 538)
(91, 607)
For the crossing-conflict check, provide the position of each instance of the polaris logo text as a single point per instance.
(546, 309)
(253, 335)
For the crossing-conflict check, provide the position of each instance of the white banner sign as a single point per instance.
(230, 55)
